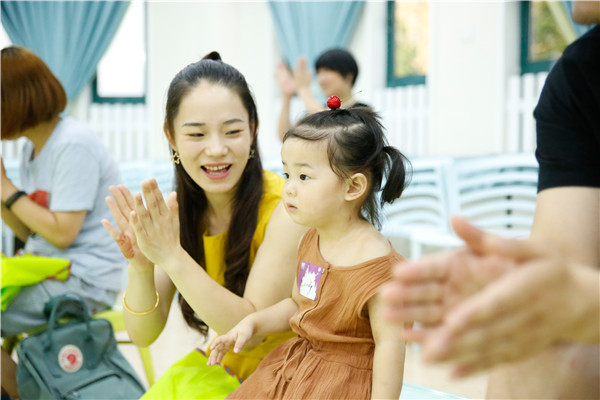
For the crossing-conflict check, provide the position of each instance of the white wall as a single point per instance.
(369, 45)
(474, 46)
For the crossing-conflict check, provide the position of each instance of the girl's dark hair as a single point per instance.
(356, 143)
(31, 94)
(191, 197)
(338, 60)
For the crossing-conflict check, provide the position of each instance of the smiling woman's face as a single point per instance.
(213, 137)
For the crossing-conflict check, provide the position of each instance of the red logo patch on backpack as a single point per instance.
(70, 358)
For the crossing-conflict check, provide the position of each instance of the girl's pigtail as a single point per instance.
(398, 168)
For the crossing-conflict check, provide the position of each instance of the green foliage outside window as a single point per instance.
(545, 32)
(408, 42)
(547, 42)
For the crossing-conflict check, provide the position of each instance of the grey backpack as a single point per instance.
(76, 359)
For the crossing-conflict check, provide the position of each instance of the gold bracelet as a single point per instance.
(129, 310)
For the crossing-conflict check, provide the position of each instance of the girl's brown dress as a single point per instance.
(332, 356)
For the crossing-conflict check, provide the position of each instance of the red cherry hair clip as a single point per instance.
(334, 102)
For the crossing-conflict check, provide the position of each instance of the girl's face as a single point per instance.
(312, 193)
(213, 137)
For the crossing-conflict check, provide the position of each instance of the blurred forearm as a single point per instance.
(14, 223)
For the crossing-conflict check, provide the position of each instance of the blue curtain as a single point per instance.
(70, 36)
(579, 29)
(310, 27)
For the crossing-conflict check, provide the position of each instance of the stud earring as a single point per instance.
(251, 156)
(175, 159)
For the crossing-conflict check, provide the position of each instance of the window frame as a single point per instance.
(530, 67)
(391, 79)
(97, 99)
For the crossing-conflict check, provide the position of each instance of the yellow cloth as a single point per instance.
(214, 246)
(29, 269)
(191, 378)
(188, 380)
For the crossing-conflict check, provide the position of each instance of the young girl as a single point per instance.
(334, 163)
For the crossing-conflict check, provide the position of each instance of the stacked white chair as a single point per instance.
(496, 193)
(423, 207)
(164, 173)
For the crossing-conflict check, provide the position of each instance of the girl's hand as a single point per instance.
(121, 207)
(235, 339)
(156, 225)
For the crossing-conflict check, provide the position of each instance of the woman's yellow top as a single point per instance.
(243, 364)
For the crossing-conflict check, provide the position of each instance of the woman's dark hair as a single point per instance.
(338, 60)
(191, 197)
(356, 143)
(31, 94)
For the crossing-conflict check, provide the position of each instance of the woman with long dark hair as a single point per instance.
(223, 240)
